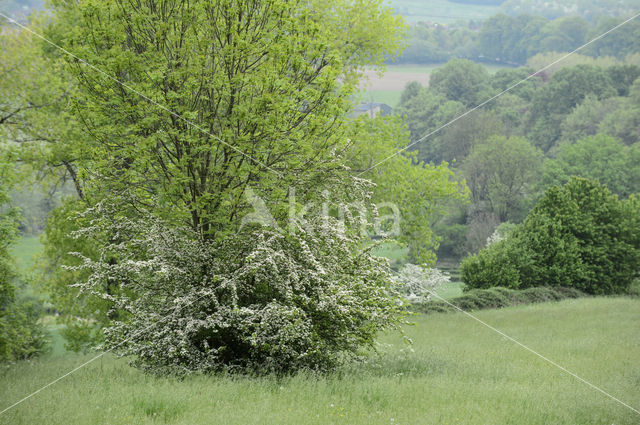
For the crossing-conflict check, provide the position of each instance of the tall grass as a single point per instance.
(456, 372)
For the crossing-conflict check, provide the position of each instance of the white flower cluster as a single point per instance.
(259, 301)
(417, 283)
(495, 237)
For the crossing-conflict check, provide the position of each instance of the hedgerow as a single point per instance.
(497, 297)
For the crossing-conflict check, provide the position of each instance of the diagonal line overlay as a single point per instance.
(164, 108)
(498, 331)
(508, 89)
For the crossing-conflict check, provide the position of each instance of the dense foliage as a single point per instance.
(414, 190)
(581, 119)
(21, 337)
(600, 157)
(578, 235)
(515, 38)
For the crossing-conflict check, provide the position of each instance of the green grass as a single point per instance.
(458, 372)
(390, 97)
(392, 251)
(25, 252)
(450, 290)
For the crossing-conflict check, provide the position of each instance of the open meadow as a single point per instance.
(456, 372)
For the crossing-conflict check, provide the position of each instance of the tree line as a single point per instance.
(510, 39)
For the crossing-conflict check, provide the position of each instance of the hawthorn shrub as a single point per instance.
(579, 235)
(259, 301)
(417, 283)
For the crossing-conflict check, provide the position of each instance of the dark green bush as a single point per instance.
(578, 236)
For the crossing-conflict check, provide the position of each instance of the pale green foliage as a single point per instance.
(419, 190)
(259, 78)
(424, 113)
(586, 118)
(462, 81)
(556, 99)
(265, 87)
(35, 113)
(82, 316)
(21, 336)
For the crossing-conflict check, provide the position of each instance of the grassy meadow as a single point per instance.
(456, 372)
(25, 252)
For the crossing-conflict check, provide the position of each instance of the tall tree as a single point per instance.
(500, 174)
(258, 81)
(462, 81)
(244, 115)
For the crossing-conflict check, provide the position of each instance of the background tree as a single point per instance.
(21, 336)
(424, 113)
(579, 235)
(500, 173)
(624, 124)
(420, 191)
(587, 117)
(458, 139)
(567, 88)
(563, 34)
(601, 158)
(462, 81)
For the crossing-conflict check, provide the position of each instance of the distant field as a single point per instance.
(25, 252)
(388, 87)
(456, 372)
(441, 11)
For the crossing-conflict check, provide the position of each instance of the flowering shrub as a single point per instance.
(417, 283)
(256, 301)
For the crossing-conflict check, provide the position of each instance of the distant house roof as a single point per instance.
(373, 109)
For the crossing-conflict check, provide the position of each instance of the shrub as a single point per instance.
(579, 235)
(21, 336)
(498, 297)
(497, 265)
(417, 283)
(259, 301)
